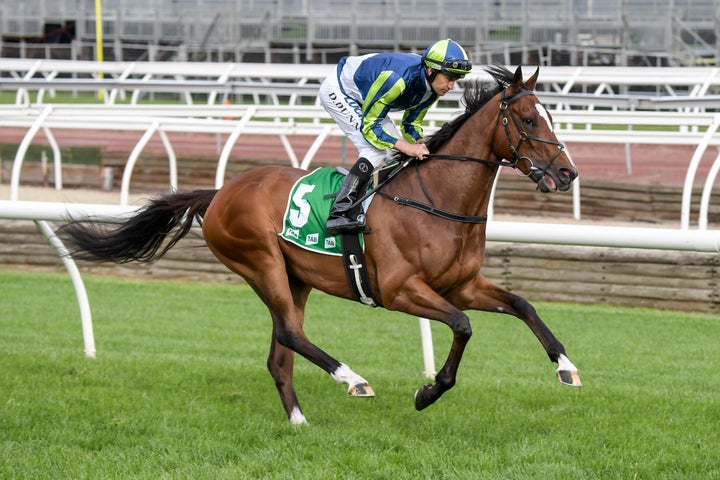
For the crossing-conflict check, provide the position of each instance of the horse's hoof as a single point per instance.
(361, 390)
(569, 377)
(422, 397)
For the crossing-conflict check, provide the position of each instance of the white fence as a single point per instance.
(696, 129)
(683, 115)
(292, 82)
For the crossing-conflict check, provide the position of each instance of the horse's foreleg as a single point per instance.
(567, 373)
(418, 299)
(446, 377)
(486, 296)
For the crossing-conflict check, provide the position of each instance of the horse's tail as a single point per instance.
(146, 236)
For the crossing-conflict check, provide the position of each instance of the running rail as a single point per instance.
(43, 212)
(701, 240)
(701, 131)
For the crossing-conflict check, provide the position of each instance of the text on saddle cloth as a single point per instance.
(307, 210)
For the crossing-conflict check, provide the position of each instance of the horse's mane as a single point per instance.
(477, 93)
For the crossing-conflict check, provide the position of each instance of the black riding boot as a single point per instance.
(342, 217)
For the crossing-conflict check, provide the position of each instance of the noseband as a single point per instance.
(506, 112)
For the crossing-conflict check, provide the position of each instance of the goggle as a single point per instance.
(463, 64)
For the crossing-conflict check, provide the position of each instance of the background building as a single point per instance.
(547, 32)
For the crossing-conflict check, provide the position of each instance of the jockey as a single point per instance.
(368, 87)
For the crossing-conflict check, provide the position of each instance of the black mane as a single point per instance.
(475, 96)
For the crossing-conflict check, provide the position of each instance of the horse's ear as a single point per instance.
(517, 78)
(516, 83)
(530, 84)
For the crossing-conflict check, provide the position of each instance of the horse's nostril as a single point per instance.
(568, 173)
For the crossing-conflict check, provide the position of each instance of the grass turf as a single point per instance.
(179, 389)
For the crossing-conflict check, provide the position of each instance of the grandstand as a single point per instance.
(546, 32)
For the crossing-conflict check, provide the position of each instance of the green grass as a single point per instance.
(66, 97)
(76, 155)
(637, 128)
(179, 390)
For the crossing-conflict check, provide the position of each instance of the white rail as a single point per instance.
(43, 212)
(595, 85)
(697, 129)
(499, 231)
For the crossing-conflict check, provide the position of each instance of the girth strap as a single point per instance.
(356, 268)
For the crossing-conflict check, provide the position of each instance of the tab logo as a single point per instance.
(312, 239)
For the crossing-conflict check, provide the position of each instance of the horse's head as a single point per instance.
(524, 134)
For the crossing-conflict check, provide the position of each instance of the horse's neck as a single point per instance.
(469, 183)
(475, 137)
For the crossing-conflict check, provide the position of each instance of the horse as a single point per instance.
(423, 261)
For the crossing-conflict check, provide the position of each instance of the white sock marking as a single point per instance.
(296, 417)
(343, 374)
(564, 363)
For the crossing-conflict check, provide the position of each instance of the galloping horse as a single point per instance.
(423, 261)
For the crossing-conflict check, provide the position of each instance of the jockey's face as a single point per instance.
(443, 82)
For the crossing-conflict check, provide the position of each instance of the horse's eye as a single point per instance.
(528, 122)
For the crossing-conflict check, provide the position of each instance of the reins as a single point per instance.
(463, 158)
(430, 208)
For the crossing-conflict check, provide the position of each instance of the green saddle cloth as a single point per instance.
(307, 211)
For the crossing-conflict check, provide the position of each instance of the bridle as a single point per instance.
(505, 114)
(502, 117)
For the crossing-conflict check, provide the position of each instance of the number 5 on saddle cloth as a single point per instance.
(305, 217)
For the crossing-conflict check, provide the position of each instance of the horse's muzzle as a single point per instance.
(552, 181)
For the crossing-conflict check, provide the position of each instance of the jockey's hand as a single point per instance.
(420, 151)
(417, 150)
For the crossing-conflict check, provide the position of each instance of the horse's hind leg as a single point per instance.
(289, 337)
(485, 296)
(281, 363)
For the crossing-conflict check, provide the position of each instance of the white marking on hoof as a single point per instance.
(343, 374)
(297, 417)
(564, 363)
(570, 378)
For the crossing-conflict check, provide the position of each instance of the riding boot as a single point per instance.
(344, 216)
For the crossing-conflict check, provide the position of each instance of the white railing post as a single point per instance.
(692, 170)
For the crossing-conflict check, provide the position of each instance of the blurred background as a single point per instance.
(542, 32)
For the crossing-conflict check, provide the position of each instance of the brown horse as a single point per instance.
(423, 264)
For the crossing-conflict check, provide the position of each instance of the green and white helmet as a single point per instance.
(447, 56)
